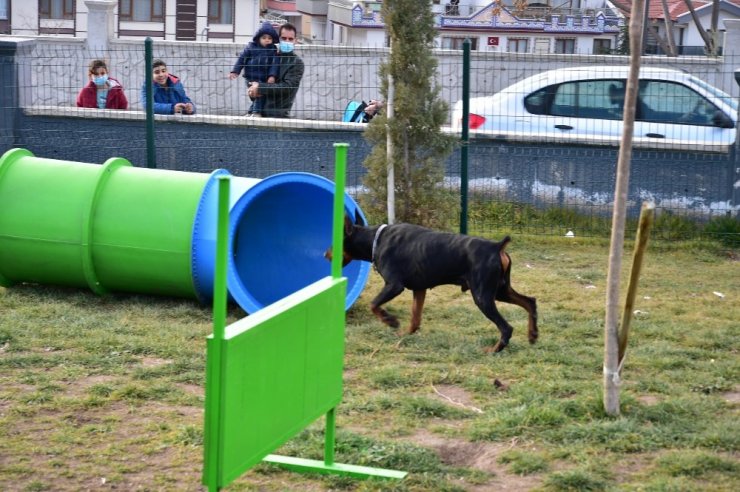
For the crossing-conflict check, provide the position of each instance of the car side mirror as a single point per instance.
(721, 120)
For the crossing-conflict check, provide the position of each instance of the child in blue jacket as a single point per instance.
(169, 93)
(260, 63)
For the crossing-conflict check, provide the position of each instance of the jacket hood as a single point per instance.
(266, 29)
(114, 82)
(172, 81)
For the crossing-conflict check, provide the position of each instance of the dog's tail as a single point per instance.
(504, 242)
(505, 259)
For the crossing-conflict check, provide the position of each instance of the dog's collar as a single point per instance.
(375, 241)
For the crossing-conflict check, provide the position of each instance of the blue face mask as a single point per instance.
(286, 47)
(100, 80)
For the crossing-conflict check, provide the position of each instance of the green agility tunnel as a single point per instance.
(117, 227)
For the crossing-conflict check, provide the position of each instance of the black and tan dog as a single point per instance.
(416, 258)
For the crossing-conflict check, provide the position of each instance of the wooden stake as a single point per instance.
(647, 214)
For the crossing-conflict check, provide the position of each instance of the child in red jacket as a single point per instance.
(102, 92)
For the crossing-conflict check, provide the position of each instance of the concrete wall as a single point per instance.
(545, 174)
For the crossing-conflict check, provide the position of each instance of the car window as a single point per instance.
(537, 102)
(671, 102)
(721, 95)
(598, 99)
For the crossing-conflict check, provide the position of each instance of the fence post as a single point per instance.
(151, 158)
(465, 138)
(10, 99)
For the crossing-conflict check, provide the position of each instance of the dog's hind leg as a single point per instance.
(388, 292)
(483, 298)
(506, 293)
(416, 308)
(509, 295)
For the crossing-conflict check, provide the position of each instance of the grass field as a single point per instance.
(104, 393)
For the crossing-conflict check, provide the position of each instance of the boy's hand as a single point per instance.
(233, 75)
(270, 79)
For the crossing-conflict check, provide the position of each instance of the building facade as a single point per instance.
(570, 27)
(542, 26)
(685, 34)
(183, 20)
(575, 26)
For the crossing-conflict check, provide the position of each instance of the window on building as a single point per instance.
(54, 9)
(449, 43)
(220, 11)
(565, 45)
(141, 10)
(518, 45)
(602, 46)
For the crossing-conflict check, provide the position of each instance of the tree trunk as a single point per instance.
(708, 41)
(611, 326)
(714, 26)
(669, 30)
(663, 42)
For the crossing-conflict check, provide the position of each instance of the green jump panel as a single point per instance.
(281, 369)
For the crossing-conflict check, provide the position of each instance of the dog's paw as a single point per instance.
(391, 321)
(496, 348)
(408, 331)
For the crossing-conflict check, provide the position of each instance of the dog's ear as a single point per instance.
(358, 218)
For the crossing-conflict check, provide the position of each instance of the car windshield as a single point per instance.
(726, 98)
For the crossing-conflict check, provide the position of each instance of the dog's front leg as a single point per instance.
(389, 291)
(416, 308)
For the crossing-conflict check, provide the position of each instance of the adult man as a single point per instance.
(279, 96)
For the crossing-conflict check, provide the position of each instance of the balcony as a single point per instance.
(312, 7)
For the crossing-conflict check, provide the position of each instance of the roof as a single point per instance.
(676, 8)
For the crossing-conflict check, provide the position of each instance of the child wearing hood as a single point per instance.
(102, 91)
(260, 63)
(168, 92)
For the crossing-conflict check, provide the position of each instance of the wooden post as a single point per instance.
(643, 233)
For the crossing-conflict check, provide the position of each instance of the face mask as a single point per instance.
(100, 80)
(286, 47)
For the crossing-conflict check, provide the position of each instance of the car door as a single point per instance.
(680, 116)
(581, 110)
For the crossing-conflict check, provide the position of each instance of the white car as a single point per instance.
(584, 105)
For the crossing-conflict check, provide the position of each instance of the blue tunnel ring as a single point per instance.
(279, 228)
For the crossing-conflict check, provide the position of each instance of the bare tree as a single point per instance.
(671, 51)
(710, 38)
(619, 216)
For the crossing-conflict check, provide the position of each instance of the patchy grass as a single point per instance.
(107, 392)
